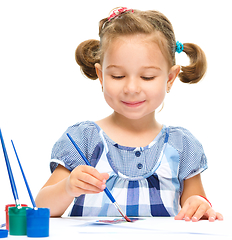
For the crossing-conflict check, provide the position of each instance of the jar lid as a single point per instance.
(3, 233)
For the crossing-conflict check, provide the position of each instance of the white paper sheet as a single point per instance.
(204, 228)
(149, 228)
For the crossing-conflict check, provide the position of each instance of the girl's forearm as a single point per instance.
(54, 197)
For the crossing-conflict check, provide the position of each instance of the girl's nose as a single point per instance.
(132, 86)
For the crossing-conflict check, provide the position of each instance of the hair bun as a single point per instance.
(86, 56)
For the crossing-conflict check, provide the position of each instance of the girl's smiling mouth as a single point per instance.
(133, 104)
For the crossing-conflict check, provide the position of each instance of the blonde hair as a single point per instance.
(150, 22)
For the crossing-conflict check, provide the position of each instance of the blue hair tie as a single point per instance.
(179, 47)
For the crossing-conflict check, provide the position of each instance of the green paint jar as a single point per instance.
(17, 221)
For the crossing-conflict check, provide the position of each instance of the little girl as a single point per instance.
(151, 169)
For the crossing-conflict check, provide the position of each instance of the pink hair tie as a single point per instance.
(118, 11)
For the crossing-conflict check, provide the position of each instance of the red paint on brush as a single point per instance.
(127, 219)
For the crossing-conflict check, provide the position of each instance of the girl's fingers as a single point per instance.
(93, 177)
(212, 215)
(89, 180)
(105, 176)
(86, 188)
(219, 216)
(201, 211)
(86, 180)
(93, 172)
(181, 214)
(192, 209)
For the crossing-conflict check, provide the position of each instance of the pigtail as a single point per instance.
(86, 55)
(198, 64)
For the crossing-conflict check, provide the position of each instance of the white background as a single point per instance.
(42, 90)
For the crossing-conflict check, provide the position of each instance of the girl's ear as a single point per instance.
(173, 73)
(98, 69)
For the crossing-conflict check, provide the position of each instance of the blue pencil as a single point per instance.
(10, 174)
(24, 177)
(106, 190)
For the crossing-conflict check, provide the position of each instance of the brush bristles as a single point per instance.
(121, 212)
(127, 219)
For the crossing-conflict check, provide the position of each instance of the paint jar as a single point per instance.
(7, 215)
(38, 222)
(3, 233)
(17, 221)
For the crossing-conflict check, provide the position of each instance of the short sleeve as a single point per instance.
(86, 136)
(192, 159)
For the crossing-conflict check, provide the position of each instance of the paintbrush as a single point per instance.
(11, 177)
(24, 177)
(106, 190)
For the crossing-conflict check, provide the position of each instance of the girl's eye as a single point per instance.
(147, 78)
(117, 77)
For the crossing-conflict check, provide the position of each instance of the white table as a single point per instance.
(157, 227)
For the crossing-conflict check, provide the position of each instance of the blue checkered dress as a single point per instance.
(145, 181)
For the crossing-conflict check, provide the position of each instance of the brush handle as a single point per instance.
(11, 177)
(24, 177)
(108, 193)
(79, 150)
(106, 190)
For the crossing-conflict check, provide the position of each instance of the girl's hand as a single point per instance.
(85, 180)
(195, 208)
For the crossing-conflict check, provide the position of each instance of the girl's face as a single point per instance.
(135, 76)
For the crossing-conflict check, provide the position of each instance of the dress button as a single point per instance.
(139, 165)
(137, 153)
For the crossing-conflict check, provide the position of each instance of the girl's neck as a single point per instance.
(130, 132)
(134, 125)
